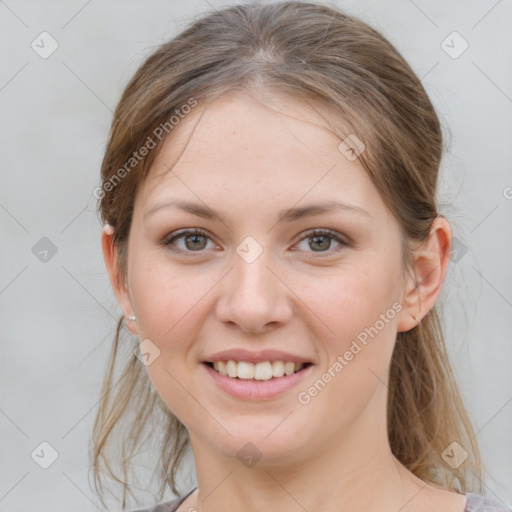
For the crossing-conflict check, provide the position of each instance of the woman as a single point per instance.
(273, 239)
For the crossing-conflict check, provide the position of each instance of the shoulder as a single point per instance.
(477, 503)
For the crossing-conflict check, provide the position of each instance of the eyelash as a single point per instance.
(308, 234)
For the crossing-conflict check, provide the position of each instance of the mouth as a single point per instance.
(258, 381)
(262, 371)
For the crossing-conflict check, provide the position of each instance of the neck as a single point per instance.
(373, 487)
(354, 471)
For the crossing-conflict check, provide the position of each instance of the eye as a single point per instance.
(194, 240)
(321, 241)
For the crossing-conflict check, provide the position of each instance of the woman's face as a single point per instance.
(258, 281)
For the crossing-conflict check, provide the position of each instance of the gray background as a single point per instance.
(57, 310)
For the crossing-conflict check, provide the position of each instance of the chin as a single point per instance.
(263, 445)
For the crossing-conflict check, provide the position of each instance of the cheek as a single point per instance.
(360, 306)
(353, 301)
(168, 305)
(163, 296)
(353, 381)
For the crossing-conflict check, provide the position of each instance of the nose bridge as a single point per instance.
(252, 280)
(254, 296)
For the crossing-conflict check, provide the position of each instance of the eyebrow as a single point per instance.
(288, 215)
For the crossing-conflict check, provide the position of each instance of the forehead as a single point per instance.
(244, 146)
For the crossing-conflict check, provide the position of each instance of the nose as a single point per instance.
(254, 298)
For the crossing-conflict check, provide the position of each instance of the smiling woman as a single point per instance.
(279, 254)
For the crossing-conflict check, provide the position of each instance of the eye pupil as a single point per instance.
(325, 239)
(195, 237)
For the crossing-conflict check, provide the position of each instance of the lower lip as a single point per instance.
(250, 389)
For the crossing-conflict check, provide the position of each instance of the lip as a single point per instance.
(255, 357)
(248, 389)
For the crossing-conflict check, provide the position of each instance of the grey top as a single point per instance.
(475, 503)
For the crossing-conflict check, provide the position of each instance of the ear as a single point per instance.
(121, 291)
(430, 263)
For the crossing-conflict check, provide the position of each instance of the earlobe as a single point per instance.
(110, 256)
(430, 263)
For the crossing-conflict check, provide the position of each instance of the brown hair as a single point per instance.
(346, 69)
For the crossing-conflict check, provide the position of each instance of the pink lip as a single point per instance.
(256, 357)
(248, 389)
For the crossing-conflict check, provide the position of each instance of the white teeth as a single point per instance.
(259, 371)
(232, 369)
(245, 370)
(223, 370)
(289, 368)
(278, 368)
(262, 371)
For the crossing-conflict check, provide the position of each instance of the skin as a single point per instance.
(240, 157)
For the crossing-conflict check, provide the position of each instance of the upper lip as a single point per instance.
(240, 354)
